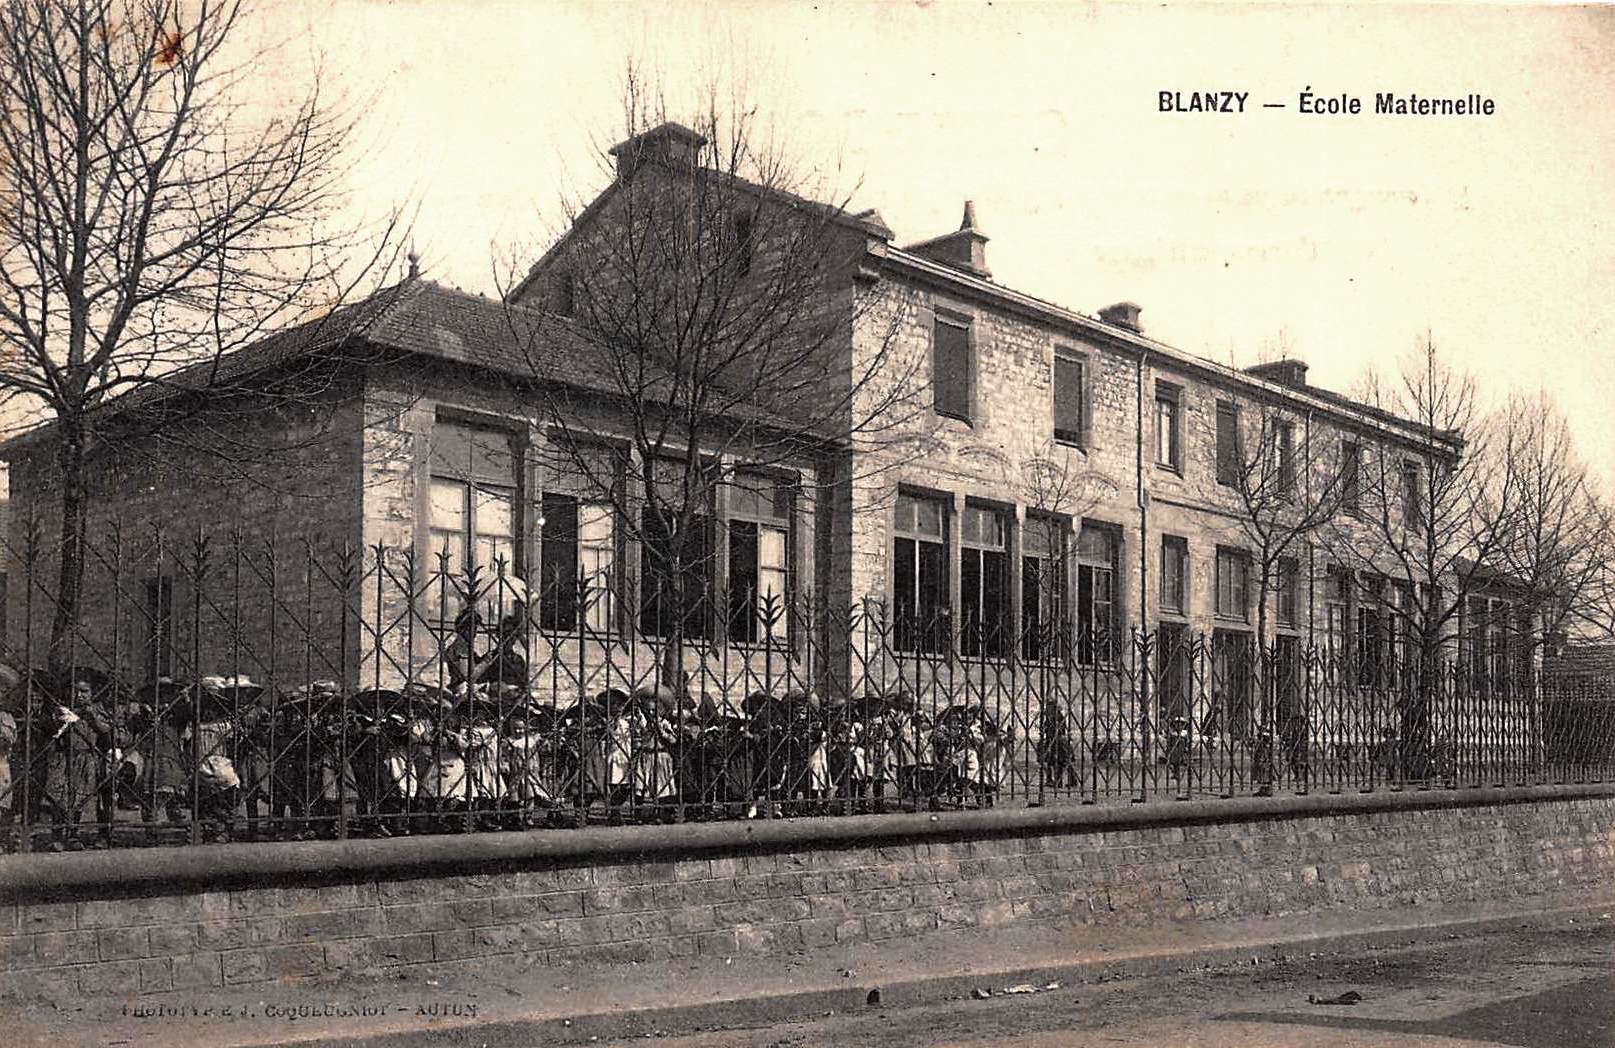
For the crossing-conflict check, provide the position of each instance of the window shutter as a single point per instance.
(950, 370)
(1070, 418)
(1227, 444)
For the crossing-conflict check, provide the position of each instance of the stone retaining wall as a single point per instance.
(241, 914)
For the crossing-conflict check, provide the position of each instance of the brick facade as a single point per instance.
(280, 484)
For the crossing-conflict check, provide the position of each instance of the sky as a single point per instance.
(1351, 235)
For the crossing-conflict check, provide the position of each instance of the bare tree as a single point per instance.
(153, 221)
(1056, 487)
(712, 300)
(1431, 516)
(1287, 484)
(1557, 541)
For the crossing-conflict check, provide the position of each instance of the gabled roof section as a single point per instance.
(867, 221)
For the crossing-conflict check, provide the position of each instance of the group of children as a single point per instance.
(473, 750)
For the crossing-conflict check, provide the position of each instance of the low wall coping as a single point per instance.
(122, 871)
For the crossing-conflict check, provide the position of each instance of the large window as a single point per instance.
(1233, 584)
(1168, 426)
(578, 539)
(1043, 585)
(1098, 553)
(984, 583)
(1070, 398)
(472, 513)
(1174, 574)
(920, 575)
(759, 557)
(951, 368)
(1228, 453)
(675, 569)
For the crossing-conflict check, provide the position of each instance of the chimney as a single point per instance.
(1290, 372)
(965, 249)
(1122, 315)
(672, 144)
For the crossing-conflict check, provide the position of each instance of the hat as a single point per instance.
(660, 695)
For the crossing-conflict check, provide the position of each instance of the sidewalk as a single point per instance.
(502, 1004)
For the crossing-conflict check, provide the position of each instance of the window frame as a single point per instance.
(1169, 395)
(1235, 557)
(510, 489)
(994, 643)
(922, 630)
(1284, 448)
(1096, 647)
(1287, 594)
(1178, 545)
(1045, 635)
(1351, 476)
(1413, 495)
(784, 489)
(612, 611)
(1082, 435)
(704, 613)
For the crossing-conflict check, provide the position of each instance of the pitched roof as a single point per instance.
(422, 318)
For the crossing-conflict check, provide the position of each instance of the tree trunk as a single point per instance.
(70, 546)
(1417, 701)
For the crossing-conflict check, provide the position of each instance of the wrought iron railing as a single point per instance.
(232, 689)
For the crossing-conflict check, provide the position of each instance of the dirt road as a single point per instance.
(1551, 988)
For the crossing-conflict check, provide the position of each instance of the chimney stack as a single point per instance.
(1289, 372)
(1122, 315)
(672, 144)
(965, 249)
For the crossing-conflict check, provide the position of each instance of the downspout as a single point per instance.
(1312, 549)
(1142, 495)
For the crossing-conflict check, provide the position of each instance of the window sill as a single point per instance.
(587, 634)
(1067, 441)
(778, 647)
(956, 418)
(1167, 467)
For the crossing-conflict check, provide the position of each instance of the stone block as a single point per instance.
(118, 944)
(156, 974)
(244, 966)
(53, 948)
(550, 904)
(113, 978)
(197, 970)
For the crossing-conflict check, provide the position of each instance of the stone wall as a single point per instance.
(234, 915)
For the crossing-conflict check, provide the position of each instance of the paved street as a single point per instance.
(1533, 989)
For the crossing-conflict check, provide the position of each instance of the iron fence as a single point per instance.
(235, 688)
